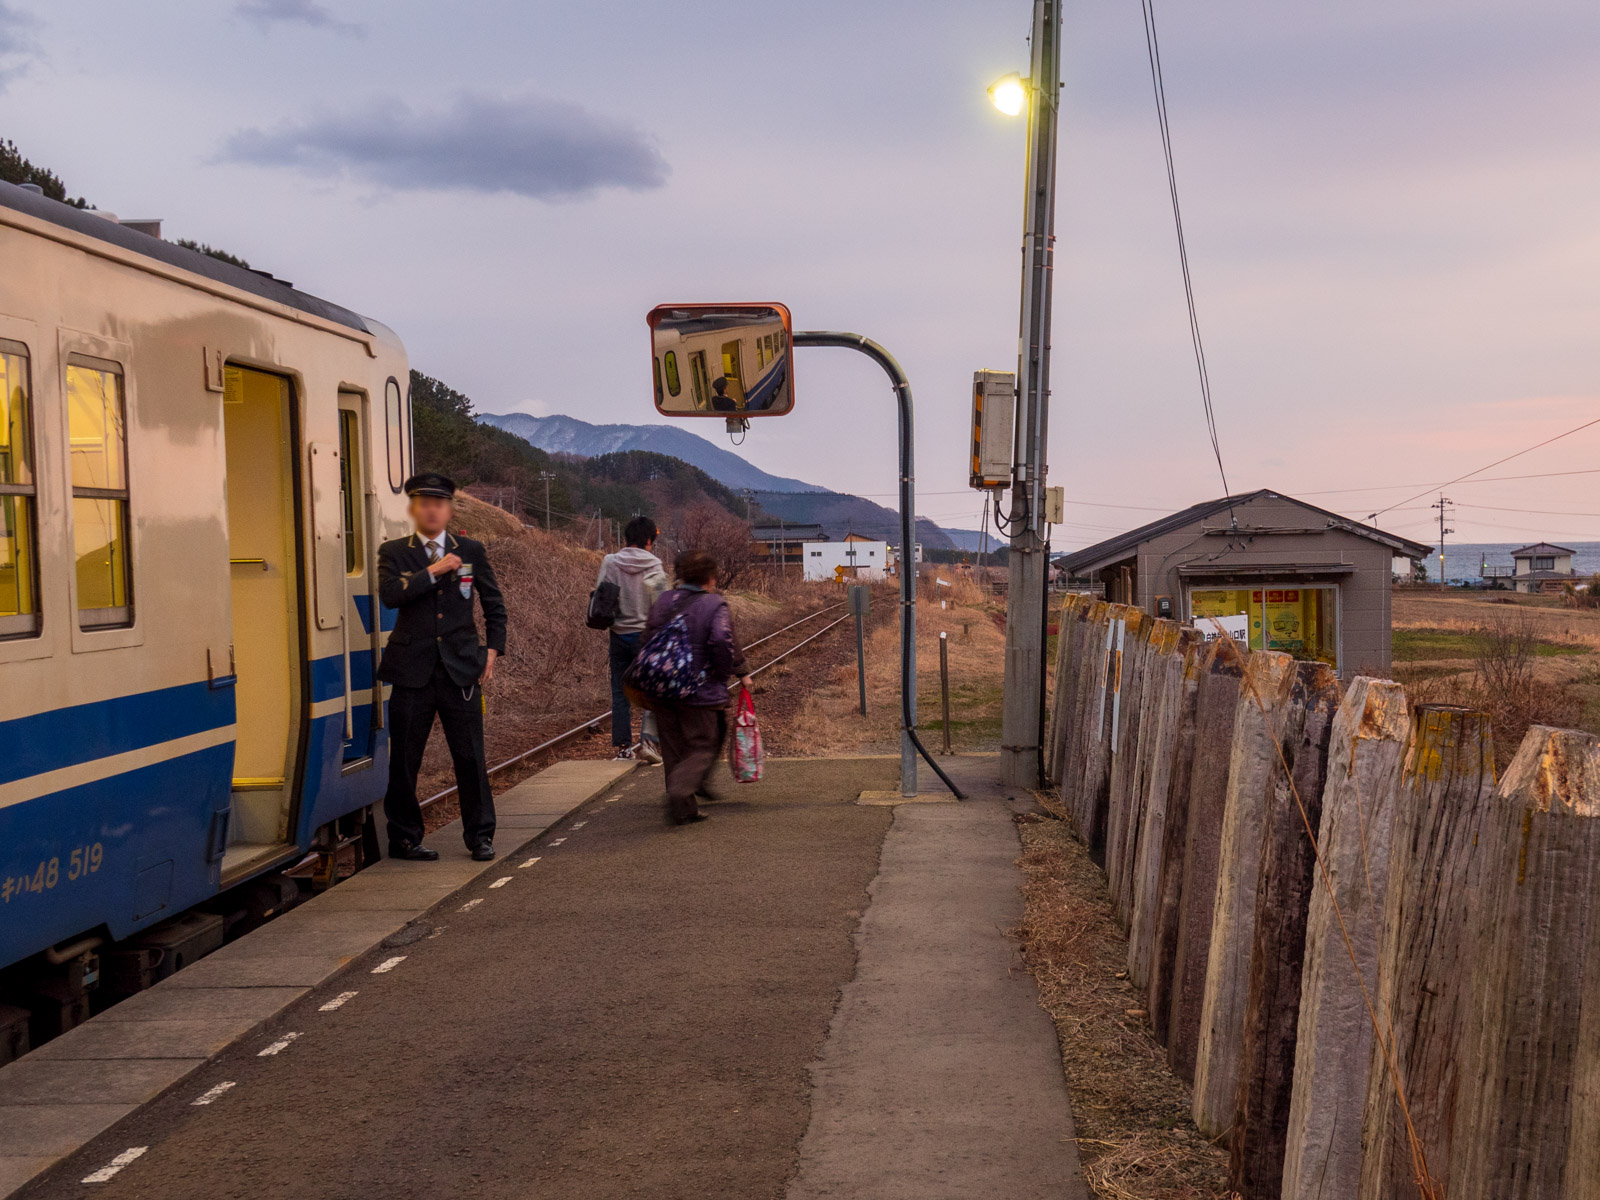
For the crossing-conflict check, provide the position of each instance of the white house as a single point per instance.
(856, 559)
(1542, 567)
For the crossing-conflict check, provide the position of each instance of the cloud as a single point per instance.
(17, 47)
(530, 146)
(267, 13)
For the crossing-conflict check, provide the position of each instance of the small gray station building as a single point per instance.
(1267, 568)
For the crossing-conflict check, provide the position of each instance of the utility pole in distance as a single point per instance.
(1444, 502)
(1024, 680)
(547, 476)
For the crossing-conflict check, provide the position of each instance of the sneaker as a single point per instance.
(624, 754)
(648, 750)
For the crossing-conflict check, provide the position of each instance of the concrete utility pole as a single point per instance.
(1021, 721)
(547, 476)
(1443, 504)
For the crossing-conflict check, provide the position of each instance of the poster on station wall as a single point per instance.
(1285, 620)
(1215, 609)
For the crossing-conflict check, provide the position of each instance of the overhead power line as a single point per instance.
(1490, 466)
(1395, 487)
(1158, 84)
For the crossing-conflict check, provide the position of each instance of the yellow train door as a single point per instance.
(258, 422)
(733, 370)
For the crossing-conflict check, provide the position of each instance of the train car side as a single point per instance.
(198, 474)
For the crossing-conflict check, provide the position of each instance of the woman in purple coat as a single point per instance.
(693, 729)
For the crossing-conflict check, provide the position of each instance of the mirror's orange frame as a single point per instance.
(657, 386)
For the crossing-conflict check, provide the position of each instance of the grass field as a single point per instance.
(1438, 638)
(1429, 645)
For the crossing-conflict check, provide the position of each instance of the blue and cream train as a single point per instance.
(197, 463)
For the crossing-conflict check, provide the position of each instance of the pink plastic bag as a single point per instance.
(744, 753)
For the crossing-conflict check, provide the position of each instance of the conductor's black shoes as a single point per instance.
(482, 852)
(413, 853)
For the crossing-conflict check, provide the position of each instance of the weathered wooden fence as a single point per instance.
(1379, 969)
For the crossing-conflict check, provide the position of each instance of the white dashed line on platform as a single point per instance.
(278, 1046)
(207, 1097)
(529, 863)
(104, 1174)
(579, 824)
(388, 964)
(558, 841)
(470, 905)
(501, 882)
(337, 1002)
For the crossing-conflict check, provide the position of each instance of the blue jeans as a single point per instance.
(624, 648)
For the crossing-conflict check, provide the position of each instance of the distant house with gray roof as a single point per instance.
(1542, 567)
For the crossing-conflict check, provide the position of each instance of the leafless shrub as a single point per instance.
(1506, 644)
(1506, 687)
(712, 528)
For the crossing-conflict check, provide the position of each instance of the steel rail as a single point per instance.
(562, 739)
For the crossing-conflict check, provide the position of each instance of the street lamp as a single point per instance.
(1009, 94)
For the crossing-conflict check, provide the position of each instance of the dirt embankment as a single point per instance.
(555, 672)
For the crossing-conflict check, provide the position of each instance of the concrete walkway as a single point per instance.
(941, 1075)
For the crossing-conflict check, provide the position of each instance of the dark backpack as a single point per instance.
(664, 669)
(605, 605)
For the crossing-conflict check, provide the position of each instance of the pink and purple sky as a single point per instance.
(1390, 209)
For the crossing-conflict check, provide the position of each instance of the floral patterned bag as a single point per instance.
(664, 668)
(744, 749)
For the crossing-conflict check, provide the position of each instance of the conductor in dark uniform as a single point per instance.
(437, 666)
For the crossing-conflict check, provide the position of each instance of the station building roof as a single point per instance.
(1115, 549)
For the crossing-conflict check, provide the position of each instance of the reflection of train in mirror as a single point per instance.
(717, 360)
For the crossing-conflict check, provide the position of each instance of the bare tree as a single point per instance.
(712, 528)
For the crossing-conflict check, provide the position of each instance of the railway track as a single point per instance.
(549, 747)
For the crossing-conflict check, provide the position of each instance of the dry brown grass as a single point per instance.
(831, 723)
(1135, 1136)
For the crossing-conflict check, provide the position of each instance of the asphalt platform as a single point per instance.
(801, 997)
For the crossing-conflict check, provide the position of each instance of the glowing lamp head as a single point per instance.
(1009, 94)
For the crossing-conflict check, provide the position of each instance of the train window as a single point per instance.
(394, 423)
(674, 384)
(19, 583)
(97, 432)
(349, 481)
(770, 354)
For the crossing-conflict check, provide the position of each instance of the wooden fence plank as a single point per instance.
(1334, 1039)
(1167, 899)
(1174, 693)
(1216, 708)
(1266, 696)
(1124, 800)
(1528, 1124)
(1272, 1006)
(1426, 968)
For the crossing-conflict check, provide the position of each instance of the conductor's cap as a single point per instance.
(430, 483)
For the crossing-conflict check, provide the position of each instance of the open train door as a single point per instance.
(268, 640)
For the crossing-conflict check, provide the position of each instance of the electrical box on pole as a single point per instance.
(994, 416)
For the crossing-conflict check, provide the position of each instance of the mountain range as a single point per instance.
(561, 434)
(791, 500)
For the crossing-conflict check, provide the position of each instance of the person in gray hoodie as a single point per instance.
(640, 578)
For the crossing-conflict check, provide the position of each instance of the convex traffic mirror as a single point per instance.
(717, 360)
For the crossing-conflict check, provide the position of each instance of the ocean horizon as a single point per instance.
(1463, 560)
